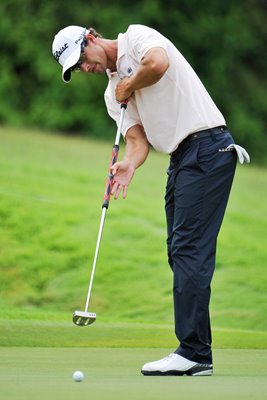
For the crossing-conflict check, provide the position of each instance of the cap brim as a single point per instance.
(69, 63)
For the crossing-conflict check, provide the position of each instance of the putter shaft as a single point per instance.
(104, 210)
(84, 318)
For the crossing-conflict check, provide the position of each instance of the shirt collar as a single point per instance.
(121, 53)
(121, 49)
(121, 46)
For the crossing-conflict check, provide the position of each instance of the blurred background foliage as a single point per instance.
(225, 41)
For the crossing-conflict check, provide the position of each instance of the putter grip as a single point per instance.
(114, 157)
(124, 104)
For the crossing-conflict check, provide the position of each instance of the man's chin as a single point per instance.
(100, 71)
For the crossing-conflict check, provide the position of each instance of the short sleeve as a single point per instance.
(141, 39)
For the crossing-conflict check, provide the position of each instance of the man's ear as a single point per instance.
(90, 37)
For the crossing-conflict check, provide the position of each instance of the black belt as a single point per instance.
(207, 132)
(200, 134)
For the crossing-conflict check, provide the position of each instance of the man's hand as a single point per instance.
(123, 172)
(123, 90)
(137, 148)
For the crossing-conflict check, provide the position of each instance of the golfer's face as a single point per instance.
(94, 59)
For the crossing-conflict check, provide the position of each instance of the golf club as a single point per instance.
(85, 318)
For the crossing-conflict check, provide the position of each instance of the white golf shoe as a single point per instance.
(174, 364)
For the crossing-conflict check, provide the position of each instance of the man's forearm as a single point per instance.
(137, 146)
(151, 69)
(153, 66)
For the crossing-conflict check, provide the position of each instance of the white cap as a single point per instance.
(66, 48)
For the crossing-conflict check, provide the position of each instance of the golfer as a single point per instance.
(170, 110)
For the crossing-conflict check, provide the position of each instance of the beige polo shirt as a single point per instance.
(171, 109)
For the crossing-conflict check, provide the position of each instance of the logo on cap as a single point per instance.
(80, 37)
(58, 53)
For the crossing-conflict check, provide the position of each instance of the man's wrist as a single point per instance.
(130, 85)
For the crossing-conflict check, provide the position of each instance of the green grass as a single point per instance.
(54, 332)
(29, 374)
(51, 190)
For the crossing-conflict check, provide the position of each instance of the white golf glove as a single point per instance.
(242, 154)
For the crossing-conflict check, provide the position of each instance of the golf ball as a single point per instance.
(78, 376)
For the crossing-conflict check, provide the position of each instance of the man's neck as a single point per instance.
(111, 49)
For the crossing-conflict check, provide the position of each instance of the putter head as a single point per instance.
(83, 318)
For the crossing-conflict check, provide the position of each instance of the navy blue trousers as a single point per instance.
(198, 187)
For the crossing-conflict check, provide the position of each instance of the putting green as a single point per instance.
(54, 333)
(46, 374)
